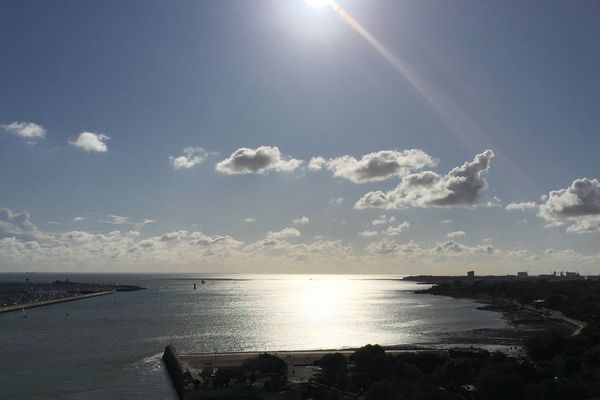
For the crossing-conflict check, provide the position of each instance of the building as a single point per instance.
(470, 274)
(522, 274)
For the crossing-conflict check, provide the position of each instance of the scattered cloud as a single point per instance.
(25, 130)
(529, 205)
(374, 167)
(112, 219)
(257, 161)
(285, 233)
(396, 230)
(446, 221)
(585, 225)
(17, 225)
(449, 248)
(91, 142)
(301, 221)
(78, 219)
(191, 157)
(460, 187)
(23, 245)
(336, 201)
(368, 233)
(383, 220)
(249, 220)
(495, 202)
(456, 234)
(578, 206)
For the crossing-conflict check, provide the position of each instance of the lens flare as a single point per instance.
(319, 3)
(466, 129)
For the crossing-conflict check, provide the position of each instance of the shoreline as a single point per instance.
(524, 319)
(54, 301)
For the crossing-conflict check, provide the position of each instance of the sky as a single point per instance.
(294, 136)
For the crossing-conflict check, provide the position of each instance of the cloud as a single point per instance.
(336, 201)
(530, 205)
(285, 233)
(460, 187)
(577, 205)
(396, 230)
(16, 225)
(78, 219)
(26, 130)
(368, 233)
(120, 220)
(449, 248)
(191, 157)
(91, 142)
(249, 220)
(383, 220)
(585, 225)
(384, 246)
(374, 167)
(257, 161)
(317, 163)
(301, 221)
(446, 221)
(456, 234)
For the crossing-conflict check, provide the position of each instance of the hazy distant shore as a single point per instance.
(525, 318)
(16, 296)
(55, 301)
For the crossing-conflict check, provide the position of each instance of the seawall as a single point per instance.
(56, 301)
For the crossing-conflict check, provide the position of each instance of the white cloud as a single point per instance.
(285, 233)
(446, 221)
(257, 161)
(368, 233)
(16, 225)
(317, 163)
(374, 167)
(112, 219)
(456, 234)
(383, 220)
(24, 247)
(460, 187)
(301, 221)
(78, 219)
(585, 225)
(530, 205)
(336, 201)
(449, 248)
(249, 220)
(191, 157)
(91, 142)
(396, 230)
(26, 130)
(578, 205)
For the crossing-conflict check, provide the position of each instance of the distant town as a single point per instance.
(471, 276)
(15, 296)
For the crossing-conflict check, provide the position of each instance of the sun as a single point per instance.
(319, 3)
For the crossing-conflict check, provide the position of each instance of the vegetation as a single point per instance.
(558, 367)
(577, 299)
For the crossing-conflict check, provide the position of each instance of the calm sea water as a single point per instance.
(109, 347)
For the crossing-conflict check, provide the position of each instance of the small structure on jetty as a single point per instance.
(256, 376)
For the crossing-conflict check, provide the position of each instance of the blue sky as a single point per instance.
(155, 78)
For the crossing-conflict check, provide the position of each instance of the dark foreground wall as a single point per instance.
(180, 375)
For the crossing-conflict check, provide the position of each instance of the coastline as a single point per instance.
(54, 301)
(525, 320)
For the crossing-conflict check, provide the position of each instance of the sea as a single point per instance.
(110, 347)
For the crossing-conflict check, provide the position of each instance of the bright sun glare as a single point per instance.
(319, 3)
